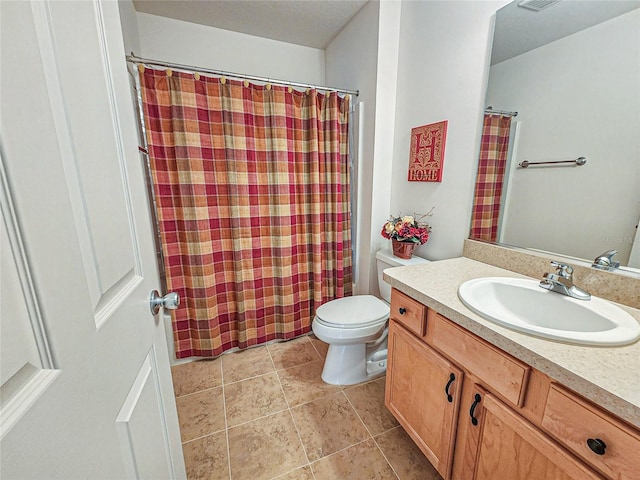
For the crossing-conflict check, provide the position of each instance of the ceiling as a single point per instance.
(315, 23)
(519, 30)
(312, 23)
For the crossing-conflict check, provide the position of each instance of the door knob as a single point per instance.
(170, 301)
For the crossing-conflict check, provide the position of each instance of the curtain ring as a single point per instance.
(268, 86)
(169, 72)
(223, 80)
(141, 68)
(196, 75)
(246, 84)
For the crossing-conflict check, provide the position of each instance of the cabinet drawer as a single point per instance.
(498, 370)
(573, 421)
(408, 312)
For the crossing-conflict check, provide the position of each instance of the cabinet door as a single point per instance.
(422, 393)
(511, 448)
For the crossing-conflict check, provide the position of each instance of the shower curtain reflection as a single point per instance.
(489, 181)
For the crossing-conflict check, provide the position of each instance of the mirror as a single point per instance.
(571, 71)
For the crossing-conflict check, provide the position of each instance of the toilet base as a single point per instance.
(350, 364)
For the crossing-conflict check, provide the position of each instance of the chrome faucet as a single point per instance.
(605, 261)
(562, 282)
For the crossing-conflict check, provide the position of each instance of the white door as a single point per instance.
(86, 385)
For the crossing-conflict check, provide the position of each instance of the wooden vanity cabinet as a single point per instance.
(422, 393)
(499, 418)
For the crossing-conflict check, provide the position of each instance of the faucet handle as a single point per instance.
(564, 270)
(605, 261)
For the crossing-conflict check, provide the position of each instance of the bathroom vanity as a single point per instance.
(485, 402)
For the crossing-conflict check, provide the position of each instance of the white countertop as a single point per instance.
(608, 376)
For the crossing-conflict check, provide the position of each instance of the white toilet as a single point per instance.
(356, 330)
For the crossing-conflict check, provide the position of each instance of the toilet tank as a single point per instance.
(384, 260)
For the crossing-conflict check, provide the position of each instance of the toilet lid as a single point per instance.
(353, 312)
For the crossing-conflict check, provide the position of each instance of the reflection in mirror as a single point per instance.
(577, 94)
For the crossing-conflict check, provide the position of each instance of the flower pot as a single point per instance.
(402, 249)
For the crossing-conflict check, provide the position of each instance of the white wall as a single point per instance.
(578, 96)
(351, 61)
(365, 56)
(432, 64)
(192, 44)
(442, 72)
(129, 22)
(387, 85)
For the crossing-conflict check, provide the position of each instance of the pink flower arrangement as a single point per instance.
(407, 229)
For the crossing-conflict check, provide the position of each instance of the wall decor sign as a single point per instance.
(426, 158)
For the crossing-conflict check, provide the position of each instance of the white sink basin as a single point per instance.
(521, 304)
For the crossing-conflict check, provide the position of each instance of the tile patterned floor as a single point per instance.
(265, 413)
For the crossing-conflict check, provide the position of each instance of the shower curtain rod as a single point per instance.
(191, 69)
(490, 109)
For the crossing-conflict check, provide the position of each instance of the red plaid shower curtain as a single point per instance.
(489, 182)
(252, 196)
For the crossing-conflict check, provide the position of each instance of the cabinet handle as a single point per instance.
(476, 401)
(452, 378)
(402, 310)
(596, 445)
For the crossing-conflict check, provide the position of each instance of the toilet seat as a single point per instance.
(358, 311)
